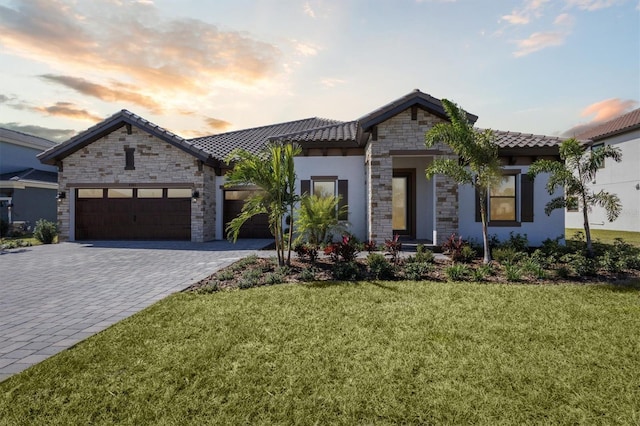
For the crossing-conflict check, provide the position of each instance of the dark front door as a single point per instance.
(403, 201)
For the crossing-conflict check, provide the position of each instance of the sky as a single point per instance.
(199, 67)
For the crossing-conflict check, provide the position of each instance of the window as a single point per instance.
(149, 192)
(90, 193)
(328, 185)
(510, 202)
(502, 200)
(120, 193)
(178, 193)
(129, 159)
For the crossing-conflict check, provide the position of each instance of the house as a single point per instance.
(27, 187)
(622, 179)
(126, 178)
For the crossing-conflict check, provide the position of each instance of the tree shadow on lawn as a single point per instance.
(329, 284)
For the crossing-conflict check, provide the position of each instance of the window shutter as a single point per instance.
(305, 187)
(478, 213)
(343, 193)
(526, 198)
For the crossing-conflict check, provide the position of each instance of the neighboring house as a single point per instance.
(27, 187)
(126, 178)
(622, 179)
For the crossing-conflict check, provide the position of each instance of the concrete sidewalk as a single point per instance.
(54, 296)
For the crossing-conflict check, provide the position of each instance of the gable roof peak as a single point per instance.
(415, 97)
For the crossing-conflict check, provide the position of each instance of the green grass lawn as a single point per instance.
(608, 236)
(369, 353)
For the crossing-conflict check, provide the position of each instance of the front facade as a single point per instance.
(622, 179)
(27, 188)
(126, 178)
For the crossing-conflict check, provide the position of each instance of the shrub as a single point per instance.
(532, 267)
(45, 231)
(393, 248)
(516, 241)
(250, 278)
(318, 216)
(306, 251)
(453, 247)
(346, 271)
(506, 255)
(553, 247)
(370, 246)
(424, 255)
(242, 264)
(457, 272)
(483, 271)
(307, 274)
(380, 267)
(210, 287)
(582, 266)
(347, 249)
(274, 278)
(225, 275)
(562, 272)
(611, 263)
(512, 272)
(417, 270)
(467, 254)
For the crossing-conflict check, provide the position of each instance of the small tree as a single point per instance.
(574, 174)
(317, 217)
(477, 163)
(272, 172)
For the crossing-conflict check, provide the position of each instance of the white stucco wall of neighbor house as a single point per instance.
(540, 229)
(622, 179)
(350, 168)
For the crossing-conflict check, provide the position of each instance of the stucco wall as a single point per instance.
(402, 133)
(103, 163)
(620, 179)
(541, 228)
(15, 158)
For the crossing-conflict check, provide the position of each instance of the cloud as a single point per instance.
(541, 40)
(305, 49)
(217, 124)
(529, 10)
(601, 112)
(592, 5)
(331, 82)
(68, 110)
(118, 93)
(308, 10)
(129, 42)
(57, 135)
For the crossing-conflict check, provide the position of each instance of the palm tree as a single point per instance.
(477, 163)
(272, 172)
(574, 174)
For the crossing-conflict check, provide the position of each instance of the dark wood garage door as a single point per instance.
(133, 214)
(256, 227)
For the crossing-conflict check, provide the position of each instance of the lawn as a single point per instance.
(367, 353)
(608, 236)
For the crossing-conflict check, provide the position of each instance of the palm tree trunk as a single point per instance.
(485, 232)
(587, 229)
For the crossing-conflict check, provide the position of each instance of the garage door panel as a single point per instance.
(133, 219)
(255, 227)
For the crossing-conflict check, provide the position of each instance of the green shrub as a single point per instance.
(242, 264)
(380, 267)
(562, 272)
(517, 242)
(467, 254)
(424, 255)
(250, 278)
(532, 267)
(307, 274)
(346, 271)
(457, 272)
(512, 272)
(274, 278)
(225, 275)
(45, 231)
(415, 271)
(318, 217)
(210, 287)
(507, 255)
(582, 265)
(483, 271)
(552, 247)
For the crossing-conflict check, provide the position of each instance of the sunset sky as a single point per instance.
(201, 67)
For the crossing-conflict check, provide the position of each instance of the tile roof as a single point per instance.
(31, 175)
(110, 124)
(525, 140)
(624, 123)
(253, 140)
(340, 132)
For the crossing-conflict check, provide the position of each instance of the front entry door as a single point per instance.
(403, 202)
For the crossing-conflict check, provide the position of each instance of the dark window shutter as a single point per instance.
(343, 193)
(305, 187)
(526, 198)
(478, 213)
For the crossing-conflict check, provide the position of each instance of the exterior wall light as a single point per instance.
(61, 196)
(195, 195)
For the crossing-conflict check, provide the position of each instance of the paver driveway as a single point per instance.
(53, 296)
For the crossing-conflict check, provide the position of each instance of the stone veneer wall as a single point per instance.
(402, 133)
(102, 163)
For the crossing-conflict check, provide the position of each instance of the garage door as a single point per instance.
(256, 227)
(133, 214)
